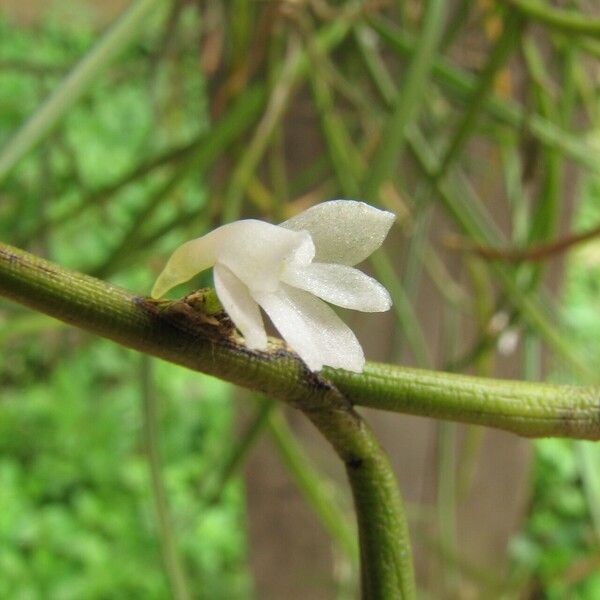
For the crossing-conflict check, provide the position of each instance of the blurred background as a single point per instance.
(127, 128)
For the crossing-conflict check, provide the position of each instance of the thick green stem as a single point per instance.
(529, 409)
(166, 330)
(386, 557)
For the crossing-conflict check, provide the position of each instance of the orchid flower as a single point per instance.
(288, 270)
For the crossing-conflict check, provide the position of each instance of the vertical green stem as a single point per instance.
(446, 500)
(385, 552)
(409, 101)
(498, 58)
(238, 453)
(311, 485)
(173, 566)
(403, 308)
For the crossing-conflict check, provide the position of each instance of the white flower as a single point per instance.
(286, 269)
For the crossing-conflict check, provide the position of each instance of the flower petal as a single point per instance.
(240, 307)
(256, 251)
(188, 260)
(253, 250)
(343, 231)
(312, 329)
(341, 285)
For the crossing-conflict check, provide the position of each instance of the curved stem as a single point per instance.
(175, 331)
(385, 553)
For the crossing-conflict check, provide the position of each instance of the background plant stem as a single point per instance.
(173, 565)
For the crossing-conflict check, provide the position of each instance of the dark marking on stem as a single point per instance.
(354, 462)
(317, 381)
(12, 258)
(188, 316)
(53, 273)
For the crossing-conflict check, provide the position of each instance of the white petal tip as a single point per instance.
(379, 301)
(385, 302)
(349, 359)
(256, 342)
(353, 368)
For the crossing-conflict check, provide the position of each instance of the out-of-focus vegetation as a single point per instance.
(557, 551)
(77, 517)
(479, 115)
(77, 513)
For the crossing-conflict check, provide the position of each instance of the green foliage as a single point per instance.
(557, 536)
(76, 512)
(216, 110)
(77, 516)
(582, 285)
(558, 546)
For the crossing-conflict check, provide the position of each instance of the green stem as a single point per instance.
(222, 134)
(567, 21)
(528, 409)
(295, 66)
(408, 101)
(167, 330)
(168, 544)
(403, 307)
(239, 452)
(311, 485)
(386, 557)
(100, 196)
(496, 61)
(587, 455)
(446, 501)
(461, 85)
(470, 215)
(84, 301)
